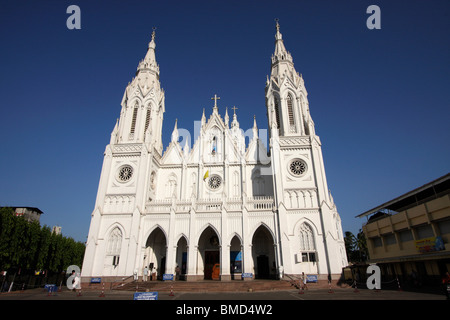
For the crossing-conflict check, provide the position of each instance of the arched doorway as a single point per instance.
(263, 253)
(235, 258)
(156, 248)
(209, 253)
(181, 259)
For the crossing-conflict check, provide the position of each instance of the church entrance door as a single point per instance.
(211, 258)
(263, 266)
(263, 253)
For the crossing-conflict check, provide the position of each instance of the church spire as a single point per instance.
(235, 123)
(255, 128)
(227, 118)
(175, 134)
(149, 62)
(280, 54)
(203, 118)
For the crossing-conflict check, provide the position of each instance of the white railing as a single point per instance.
(260, 203)
(159, 206)
(257, 203)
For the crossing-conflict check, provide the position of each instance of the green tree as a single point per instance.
(6, 230)
(26, 245)
(361, 245)
(356, 246)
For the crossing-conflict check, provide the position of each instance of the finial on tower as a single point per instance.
(153, 33)
(278, 34)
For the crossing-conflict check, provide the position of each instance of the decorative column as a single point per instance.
(225, 263)
(192, 263)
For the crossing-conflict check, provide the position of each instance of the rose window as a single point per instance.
(214, 182)
(297, 167)
(125, 173)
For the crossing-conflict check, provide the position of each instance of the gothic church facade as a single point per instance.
(220, 209)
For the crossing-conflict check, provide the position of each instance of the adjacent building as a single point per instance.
(28, 213)
(409, 236)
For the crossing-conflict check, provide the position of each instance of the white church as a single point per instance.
(220, 209)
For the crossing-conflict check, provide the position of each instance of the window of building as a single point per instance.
(290, 114)
(405, 235)
(147, 119)
(444, 226)
(133, 120)
(377, 242)
(114, 245)
(425, 231)
(307, 243)
(390, 239)
(306, 238)
(277, 113)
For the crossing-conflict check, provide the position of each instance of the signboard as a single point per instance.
(50, 287)
(145, 296)
(429, 244)
(247, 275)
(96, 280)
(311, 278)
(167, 276)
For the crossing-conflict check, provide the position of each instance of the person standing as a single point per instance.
(77, 284)
(145, 273)
(177, 273)
(304, 279)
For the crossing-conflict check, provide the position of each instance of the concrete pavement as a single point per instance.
(312, 294)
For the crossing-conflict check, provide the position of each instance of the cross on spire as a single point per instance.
(234, 109)
(215, 98)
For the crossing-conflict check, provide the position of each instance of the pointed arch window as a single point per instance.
(277, 113)
(290, 114)
(307, 243)
(214, 146)
(147, 119)
(133, 120)
(235, 184)
(114, 245)
(171, 187)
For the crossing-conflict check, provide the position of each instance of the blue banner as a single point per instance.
(247, 275)
(96, 280)
(167, 276)
(145, 296)
(311, 278)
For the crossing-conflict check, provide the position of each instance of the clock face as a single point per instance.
(297, 167)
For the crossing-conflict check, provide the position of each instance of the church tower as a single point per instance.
(129, 169)
(301, 194)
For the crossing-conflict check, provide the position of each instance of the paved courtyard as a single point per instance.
(314, 294)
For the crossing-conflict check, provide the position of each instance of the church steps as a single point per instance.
(210, 286)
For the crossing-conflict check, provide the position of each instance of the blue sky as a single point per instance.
(379, 98)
